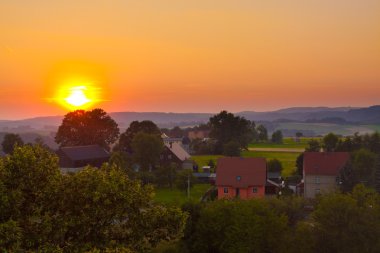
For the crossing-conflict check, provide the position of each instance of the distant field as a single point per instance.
(287, 143)
(177, 197)
(288, 159)
(325, 128)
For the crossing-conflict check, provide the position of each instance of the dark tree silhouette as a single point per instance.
(9, 142)
(86, 128)
(146, 126)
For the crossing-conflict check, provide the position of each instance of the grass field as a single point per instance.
(177, 197)
(287, 143)
(288, 159)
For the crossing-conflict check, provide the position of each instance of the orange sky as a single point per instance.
(190, 56)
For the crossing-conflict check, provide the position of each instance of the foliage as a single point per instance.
(147, 149)
(277, 137)
(274, 165)
(231, 148)
(225, 128)
(313, 146)
(87, 128)
(262, 133)
(45, 211)
(330, 142)
(361, 169)
(184, 179)
(299, 134)
(299, 164)
(126, 138)
(166, 175)
(348, 222)
(237, 226)
(10, 141)
(211, 163)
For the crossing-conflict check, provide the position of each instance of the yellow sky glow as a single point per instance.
(183, 56)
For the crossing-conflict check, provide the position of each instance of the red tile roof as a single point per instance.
(241, 172)
(324, 163)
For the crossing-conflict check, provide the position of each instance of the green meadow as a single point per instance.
(288, 142)
(177, 197)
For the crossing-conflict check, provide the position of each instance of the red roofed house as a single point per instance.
(241, 177)
(320, 171)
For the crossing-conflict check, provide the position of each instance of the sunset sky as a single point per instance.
(189, 56)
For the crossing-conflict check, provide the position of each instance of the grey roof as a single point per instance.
(178, 150)
(85, 152)
(273, 174)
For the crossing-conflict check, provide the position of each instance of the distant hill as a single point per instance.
(307, 119)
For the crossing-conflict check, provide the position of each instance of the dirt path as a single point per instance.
(289, 150)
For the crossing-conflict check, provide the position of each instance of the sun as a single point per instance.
(77, 96)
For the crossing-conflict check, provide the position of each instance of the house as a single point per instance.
(174, 153)
(274, 183)
(320, 171)
(241, 177)
(72, 159)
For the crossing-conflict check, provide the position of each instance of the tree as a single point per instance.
(10, 141)
(360, 170)
(262, 133)
(299, 164)
(330, 142)
(299, 134)
(42, 210)
(147, 149)
(211, 163)
(225, 127)
(183, 178)
(277, 137)
(231, 148)
(126, 138)
(87, 128)
(274, 165)
(166, 175)
(314, 146)
(348, 222)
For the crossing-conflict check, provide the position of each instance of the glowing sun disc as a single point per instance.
(77, 96)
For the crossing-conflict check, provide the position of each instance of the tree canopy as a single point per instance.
(146, 126)
(42, 210)
(10, 141)
(277, 137)
(226, 127)
(87, 128)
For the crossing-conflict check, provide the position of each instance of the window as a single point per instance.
(238, 178)
(254, 189)
(170, 156)
(317, 180)
(225, 190)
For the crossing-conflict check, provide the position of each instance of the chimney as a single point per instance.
(171, 144)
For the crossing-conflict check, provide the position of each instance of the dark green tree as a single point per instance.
(330, 142)
(87, 128)
(231, 148)
(277, 137)
(166, 175)
(262, 133)
(313, 146)
(184, 177)
(10, 141)
(274, 165)
(226, 127)
(299, 165)
(147, 149)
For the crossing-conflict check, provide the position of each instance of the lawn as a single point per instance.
(202, 160)
(287, 143)
(177, 197)
(287, 159)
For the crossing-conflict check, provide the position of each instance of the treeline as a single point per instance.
(42, 210)
(337, 223)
